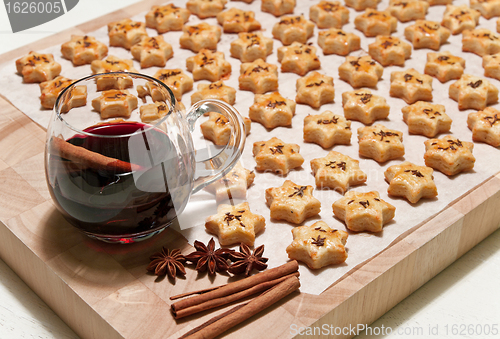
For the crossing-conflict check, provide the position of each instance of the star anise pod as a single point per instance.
(207, 258)
(246, 261)
(167, 262)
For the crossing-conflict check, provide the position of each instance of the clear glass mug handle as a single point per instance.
(215, 167)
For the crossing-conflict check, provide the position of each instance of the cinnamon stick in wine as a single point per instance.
(87, 158)
(237, 286)
(230, 298)
(238, 314)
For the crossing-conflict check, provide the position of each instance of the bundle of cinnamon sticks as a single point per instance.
(275, 284)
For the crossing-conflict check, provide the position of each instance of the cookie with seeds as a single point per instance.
(82, 50)
(411, 182)
(337, 171)
(152, 51)
(449, 155)
(126, 33)
(235, 20)
(361, 71)
(411, 86)
(206, 8)
(380, 143)
(153, 112)
(363, 211)
(427, 119)
(200, 36)
(485, 126)
(408, 10)
(361, 5)
(167, 18)
(276, 156)
(258, 77)
(51, 89)
(233, 185)
(318, 245)
(327, 129)
(291, 202)
(277, 7)
(427, 34)
(315, 90)
(298, 58)
(488, 8)
(459, 18)
(480, 41)
(473, 92)
(329, 14)
(272, 110)
(235, 224)
(216, 90)
(115, 103)
(208, 65)
(373, 23)
(251, 46)
(293, 28)
(37, 67)
(361, 105)
(337, 41)
(389, 51)
(218, 130)
(444, 66)
(178, 81)
(491, 65)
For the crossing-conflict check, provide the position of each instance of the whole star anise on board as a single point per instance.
(207, 258)
(167, 262)
(246, 261)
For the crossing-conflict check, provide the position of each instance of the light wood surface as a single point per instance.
(103, 291)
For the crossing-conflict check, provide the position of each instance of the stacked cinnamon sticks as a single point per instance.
(275, 284)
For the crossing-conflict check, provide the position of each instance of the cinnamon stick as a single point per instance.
(183, 295)
(271, 274)
(88, 159)
(230, 298)
(235, 316)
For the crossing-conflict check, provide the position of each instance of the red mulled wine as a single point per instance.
(112, 200)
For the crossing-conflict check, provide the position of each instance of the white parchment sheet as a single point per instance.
(277, 235)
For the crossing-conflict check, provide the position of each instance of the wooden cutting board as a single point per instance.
(103, 291)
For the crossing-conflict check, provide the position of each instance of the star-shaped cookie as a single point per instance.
(327, 129)
(272, 110)
(488, 8)
(74, 97)
(410, 181)
(178, 81)
(318, 245)
(205, 8)
(115, 103)
(389, 51)
(291, 202)
(485, 126)
(426, 119)
(427, 34)
(329, 14)
(251, 46)
(363, 211)
(278, 7)
(362, 105)
(298, 58)
(337, 41)
(473, 92)
(337, 172)
(491, 65)
(480, 41)
(152, 51)
(235, 224)
(208, 65)
(276, 156)
(235, 20)
(361, 5)
(258, 77)
(380, 143)
(81, 50)
(408, 10)
(126, 33)
(444, 66)
(167, 18)
(315, 90)
(459, 18)
(200, 36)
(37, 67)
(373, 23)
(361, 71)
(411, 86)
(50, 90)
(215, 90)
(449, 155)
(293, 28)
(112, 64)
(153, 112)
(218, 130)
(233, 185)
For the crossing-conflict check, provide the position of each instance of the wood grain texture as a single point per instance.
(103, 291)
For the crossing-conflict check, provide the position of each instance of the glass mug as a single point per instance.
(119, 179)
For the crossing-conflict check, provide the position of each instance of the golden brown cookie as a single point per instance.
(298, 58)
(459, 18)
(112, 64)
(411, 86)
(408, 10)
(485, 126)
(126, 33)
(473, 92)
(206, 8)
(380, 143)
(218, 130)
(278, 7)
(315, 90)
(491, 65)
(208, 65)
(327, 129)
(426, 119)
(153, 112)
(235, 20)
(82, 50)
(251, 46)
(488, 8)
(337, 171)
(373, 23)
(258, 77)
(444, 66)
(178, 81)
(389, 51)
(200, 36)
(360, 71)
(167, 18)
(480, 41)
(115, 103)
(329, 14)
(272, 110)
(37, 67)
(449, 155)
(291, 202)
(427, 34)
(152, 51)
(337, 41)
(51, 89)
(362, 105)
(293, 28)
(318, 245)
(276, 156)
(215, 90)
(361, 5)
(233, 185)
(235, 224)
(410, 181)
(363, 211)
